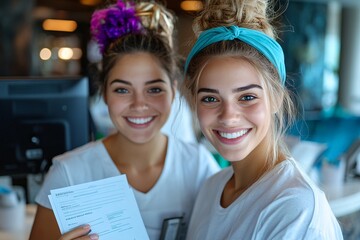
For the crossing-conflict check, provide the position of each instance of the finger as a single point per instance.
(88, 237)
(79, 233)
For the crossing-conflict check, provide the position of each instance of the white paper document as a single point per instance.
(108, 205)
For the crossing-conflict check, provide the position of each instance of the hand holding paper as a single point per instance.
(108, 205)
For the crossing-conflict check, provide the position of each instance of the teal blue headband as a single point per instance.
(259, 40)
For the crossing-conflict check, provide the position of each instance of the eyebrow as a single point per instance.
(120, 81)
(207, 90)
(129, 83)
(155, 81)
(240, 89)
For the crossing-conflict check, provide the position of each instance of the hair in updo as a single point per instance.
(253, 14)
(155, 37)
(256, 15)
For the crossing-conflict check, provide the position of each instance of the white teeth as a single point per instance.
(140, 120)
(233, 135)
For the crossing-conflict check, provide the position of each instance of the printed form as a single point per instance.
(108, 205)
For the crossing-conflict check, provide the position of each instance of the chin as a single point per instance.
(140, 139)
(233, 155)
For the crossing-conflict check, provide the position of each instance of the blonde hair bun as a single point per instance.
(253, 14)
(156, 18)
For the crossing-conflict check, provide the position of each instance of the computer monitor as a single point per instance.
(41, 117)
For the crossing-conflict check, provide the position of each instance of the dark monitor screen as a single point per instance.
(39, 119)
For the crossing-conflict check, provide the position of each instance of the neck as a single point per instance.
(246, 172)
(142, 163)
(126, 153)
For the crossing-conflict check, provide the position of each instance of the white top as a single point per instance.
(283, 204)
(186, 167)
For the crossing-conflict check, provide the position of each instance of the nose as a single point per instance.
(229, 114)
(139, 102)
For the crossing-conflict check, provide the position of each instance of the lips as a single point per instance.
(139, 121)
(233, 137)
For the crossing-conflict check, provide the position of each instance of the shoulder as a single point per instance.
(289, 192)
(291, 184)
(82, 153)
(304, 214)
(287, 175)
(83, 159)
(295, 203)
(83, 164)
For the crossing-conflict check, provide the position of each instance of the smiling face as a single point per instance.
(232, 107)
(139, 96)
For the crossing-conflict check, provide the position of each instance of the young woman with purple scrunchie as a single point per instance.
(137, 79)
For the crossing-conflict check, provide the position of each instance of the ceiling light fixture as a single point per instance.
(90, 2)
(191, 5)
(59, 25)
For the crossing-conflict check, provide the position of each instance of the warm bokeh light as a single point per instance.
(45, 54)
(90, 2)
(77, 53)
(59, 25)
(191, 5)
(65, 53)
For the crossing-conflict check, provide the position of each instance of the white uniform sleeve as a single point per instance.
(294, 216)
(56, 177)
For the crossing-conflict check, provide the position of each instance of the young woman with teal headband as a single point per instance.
(138, 82)
(236, 85)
